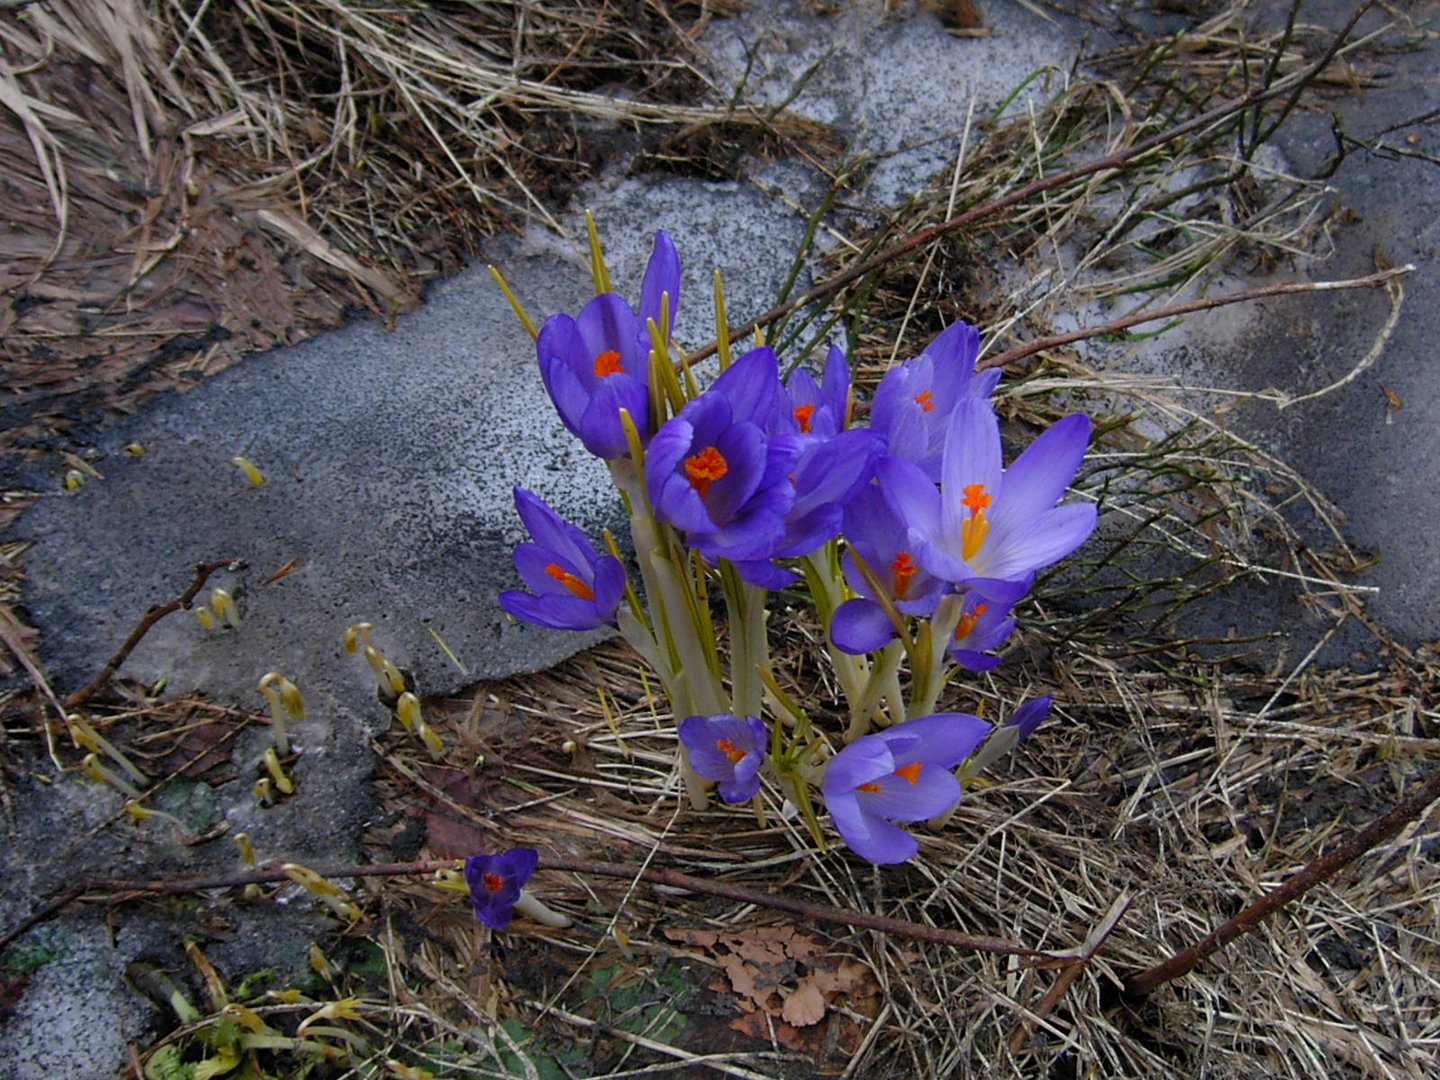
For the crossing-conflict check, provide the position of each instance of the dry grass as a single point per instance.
(1174, 775)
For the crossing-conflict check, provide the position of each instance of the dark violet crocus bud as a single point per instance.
(1030, 716)
(573, 586)
(727, 749)
(904, 773)
(495, 882)
(714, 473)
(597, 363)
(914, 401)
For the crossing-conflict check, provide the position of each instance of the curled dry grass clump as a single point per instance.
(188, 182)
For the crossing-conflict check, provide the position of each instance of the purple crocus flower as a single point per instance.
(495, 882)
(728, 749)
(816, 409)
(914, 401)
(904, 773)
(574, 587)
(880, 537)
(1030, 716)
(598, 363)
(985, 621)
(712, 471)
(985, 523)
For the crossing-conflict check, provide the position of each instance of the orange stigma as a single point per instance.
(976, 527)
(802, 417)
(910, 772)
(966, 626)
(705, 468)
(728, 748)
(904, 569)
(608, 363)
(868, 787)
(493, 882)
(570, 581)
(926, 400)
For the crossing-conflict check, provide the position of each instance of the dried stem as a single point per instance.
(1318, 870)
(153, 614)
(658, 875)
(1374, 281)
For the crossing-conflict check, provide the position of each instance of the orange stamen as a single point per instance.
(802, 416)
(493, 882)
(705, 468)
(729, 750)
(910, 772)
(966, 626)
(904, 569)
(570, 581)
(926, 400)
(607, 363)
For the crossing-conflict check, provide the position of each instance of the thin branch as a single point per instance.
(1317, 871)
(1374, 281)
(115, 888)
(154, 614)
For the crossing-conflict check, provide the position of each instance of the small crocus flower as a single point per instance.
(880, 537)
(574, 587)
(904, 773)
(714, 473)
(985, 621)
(989, 523)
(495, 882)
(727, 749)
(597, 363)
(811, 408)
(1030, 716)
(914, 401)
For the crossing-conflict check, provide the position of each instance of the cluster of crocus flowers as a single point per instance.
(913, 539)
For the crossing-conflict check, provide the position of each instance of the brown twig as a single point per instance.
(1374, 281)
(153, 614)
(1318, 870)
(835, 282)
(658, 875)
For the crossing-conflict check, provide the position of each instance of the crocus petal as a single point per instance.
(1030, 716)
(946, 738)
(933, 791)
(750, 384)
(1039, 476)
(495, 883)
(861, 626)
(766, 574)
(550, 530)
(1048, 538)
(662, 275)
(556, 612)
(972, 457)
(872, 838)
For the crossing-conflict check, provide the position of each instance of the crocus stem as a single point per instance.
(749, 648)
(822, 574)
(933, 671)
(529, 905)
(880, 682)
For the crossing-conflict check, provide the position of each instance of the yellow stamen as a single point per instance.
(570, 581)
(976, 527)
(966, 626)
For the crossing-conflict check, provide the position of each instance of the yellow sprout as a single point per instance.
(204, 617)
(356, 635)
(344, 1009)
(223, 605)
(74, 480)
(136, 811)
(264, 791)
(134, 449)
(321, 963)
(429, 738)
(245, 465)
(283, 783)
(284, 697)
(246, 1017)
(407, 711)
(92, 768)
(247, 848)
